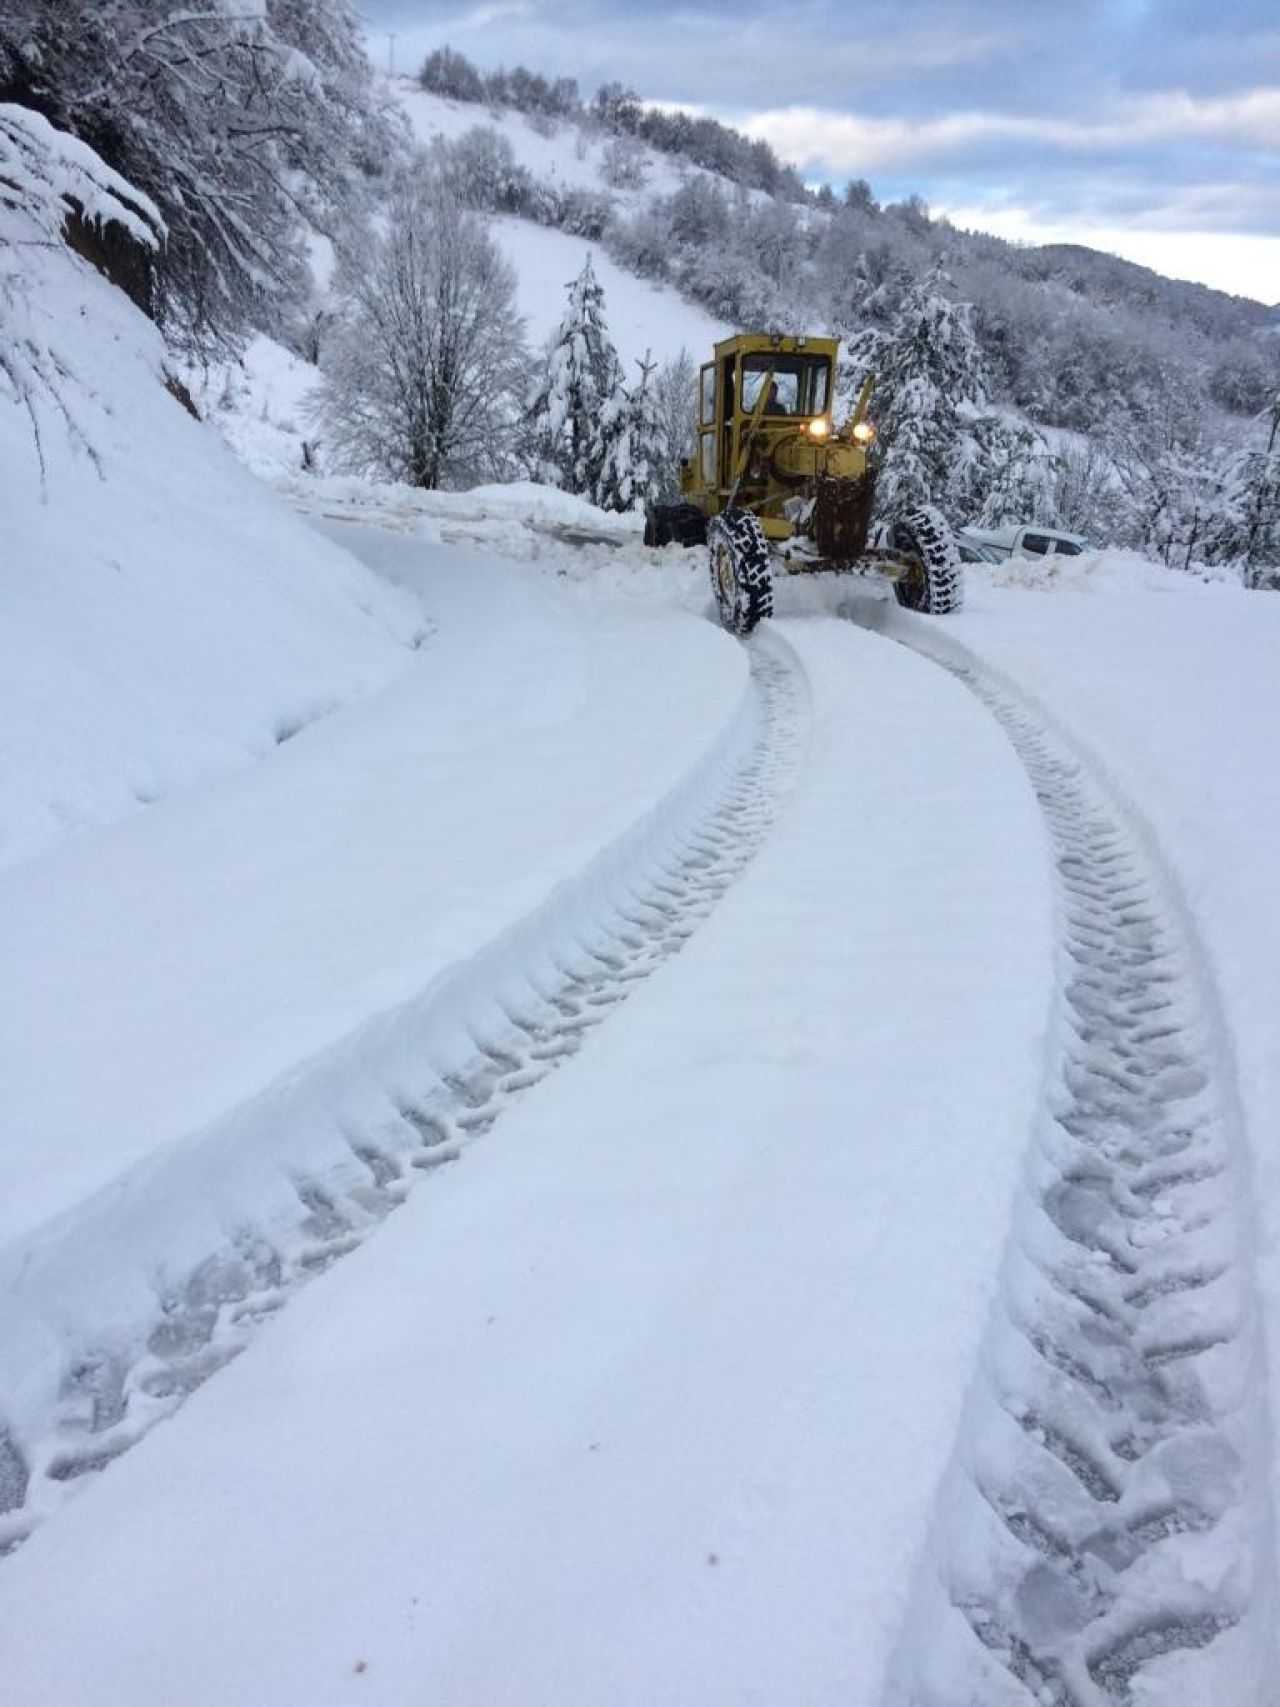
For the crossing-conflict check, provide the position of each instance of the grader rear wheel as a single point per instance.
(935, 581)
(740, 574)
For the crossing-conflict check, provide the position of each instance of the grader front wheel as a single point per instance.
(934, 582)
(740, 575)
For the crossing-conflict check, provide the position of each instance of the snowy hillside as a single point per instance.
(557, 152)
(642, 316)
(163, 620)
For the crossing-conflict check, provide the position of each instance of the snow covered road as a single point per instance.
(868, 1310)
(648, 1398)
(1107, 1523)
(210, 1008)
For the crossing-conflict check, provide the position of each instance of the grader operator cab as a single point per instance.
(772, 480)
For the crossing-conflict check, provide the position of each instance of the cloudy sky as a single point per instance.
(1150, 128)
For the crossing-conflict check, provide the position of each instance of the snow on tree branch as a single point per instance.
(242, 121)
(47, 175)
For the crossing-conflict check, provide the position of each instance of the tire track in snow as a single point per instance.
(110, 1394)
(1105, 1529)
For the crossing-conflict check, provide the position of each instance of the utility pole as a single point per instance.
(391, 54)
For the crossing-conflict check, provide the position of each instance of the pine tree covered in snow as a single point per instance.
(579, 404)
(928, 375)
(633, 436)
(1009, 471)
(423, 371)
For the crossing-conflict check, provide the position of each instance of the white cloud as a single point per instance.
(856, 143)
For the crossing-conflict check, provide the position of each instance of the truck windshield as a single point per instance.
(800, 383)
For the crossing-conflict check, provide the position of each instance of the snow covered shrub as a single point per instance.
(46, 179)
(451, 74)
(1086, 497)
(1259, 484)
(422, 371)
(481, 166)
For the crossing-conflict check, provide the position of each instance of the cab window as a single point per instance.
(707, 412)
(801, 383)
(1035, 544)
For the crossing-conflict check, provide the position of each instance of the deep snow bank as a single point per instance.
(163, 618)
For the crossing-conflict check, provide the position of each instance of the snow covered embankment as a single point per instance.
(164, 620)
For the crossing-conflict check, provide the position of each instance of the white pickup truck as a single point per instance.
(1029, 541)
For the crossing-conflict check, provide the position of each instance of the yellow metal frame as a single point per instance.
(795, 455)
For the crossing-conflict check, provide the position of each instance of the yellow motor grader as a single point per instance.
(773, 480)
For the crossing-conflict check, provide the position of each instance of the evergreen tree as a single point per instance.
(928, 375)
(633, 433)
(575, 410)
(1010, 473)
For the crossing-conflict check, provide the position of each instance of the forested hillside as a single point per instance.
(299, 200)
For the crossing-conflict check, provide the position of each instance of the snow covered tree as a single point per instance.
(675, 402)
(451, 74)
(634, 435)
(481, 165)
(578, 404)
(1009, 472)
(46, 179)
(1163, 467)
(1259, 479)
(623, 164)
(928, 371)
(421, 376)
(236, 119)
(1085, 496)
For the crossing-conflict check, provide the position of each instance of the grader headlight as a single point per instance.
(819, 428)
(864, 433)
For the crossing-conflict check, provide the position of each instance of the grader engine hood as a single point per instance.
(800, 456)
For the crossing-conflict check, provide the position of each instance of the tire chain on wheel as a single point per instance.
(752, 599)
(924, 532)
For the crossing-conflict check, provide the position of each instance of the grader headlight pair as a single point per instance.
(863, 433)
